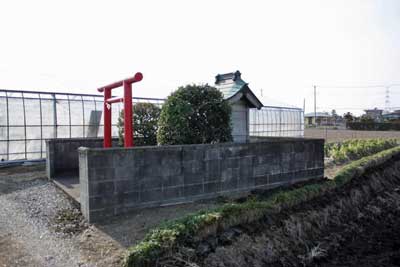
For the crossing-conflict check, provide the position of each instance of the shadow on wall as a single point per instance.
(94, 123)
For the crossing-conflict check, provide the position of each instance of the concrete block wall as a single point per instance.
(115, 181)
(62, 154)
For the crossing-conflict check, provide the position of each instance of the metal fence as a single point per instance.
(28, 118)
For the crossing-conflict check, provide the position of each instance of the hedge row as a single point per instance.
(166, 238)
(373, 126)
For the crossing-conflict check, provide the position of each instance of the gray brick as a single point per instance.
(127, 171)
(237, 151)
(150, 183)
(151, 195)
(168, 181)
(261, 180)
(193, 166)
(320, 171)
(122, 158)
(290, 147)
(245, 182)
(140, 177)
(100, 202)
(138, 158)
(310, 164)
(100, 174)
(105, 189)
(151, 158)
(212, 154)
(127, 185)
(213, 170)
(262, 170)
(212, 187)
(100, 160)
(230, 183)
(264, 159)
(129, 198)
(232, 173)
(173, 168)
(193, 190)
(195, 178)
(230, 163)
(100, 215)
(170, 156)
(278, 178)
(192, 153)
(299, 161)
(246, 167)
(172, 192)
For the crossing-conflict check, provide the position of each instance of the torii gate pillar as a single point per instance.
(127, 100)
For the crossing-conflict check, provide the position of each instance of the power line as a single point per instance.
(352, 108)
(360, 86)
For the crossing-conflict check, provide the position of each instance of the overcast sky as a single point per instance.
(282, 47)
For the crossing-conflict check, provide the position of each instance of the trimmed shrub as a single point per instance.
(195, 114)
(145, 124)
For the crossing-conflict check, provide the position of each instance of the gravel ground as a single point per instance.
(26, 216)
(41, 226)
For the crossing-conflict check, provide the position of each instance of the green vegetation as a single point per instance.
(373, 126)
(145, 120)
(167, 237)
(195, 114)
(357, 148)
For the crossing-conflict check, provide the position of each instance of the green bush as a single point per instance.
(373, 126)
(357, 148)
(168, 236)
(145, 124)
(195, 114)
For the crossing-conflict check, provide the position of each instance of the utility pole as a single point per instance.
(315, 104)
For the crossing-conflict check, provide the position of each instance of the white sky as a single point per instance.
(283, 47)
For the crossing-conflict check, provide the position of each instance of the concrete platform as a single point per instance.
(69, 183)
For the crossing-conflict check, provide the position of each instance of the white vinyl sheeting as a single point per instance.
(27, 119)
(276, 121)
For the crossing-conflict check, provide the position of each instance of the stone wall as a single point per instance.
(62, 154)
(117, 180)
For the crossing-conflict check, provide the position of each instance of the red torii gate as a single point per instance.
(127, 99)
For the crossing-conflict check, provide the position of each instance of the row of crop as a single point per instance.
(356, 148)
(166, 238)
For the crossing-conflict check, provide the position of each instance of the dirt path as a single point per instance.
(332, 135)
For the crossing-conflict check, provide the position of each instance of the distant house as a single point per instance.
(238, 94)
(375, 114)
(392, 116)
(319, 118)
